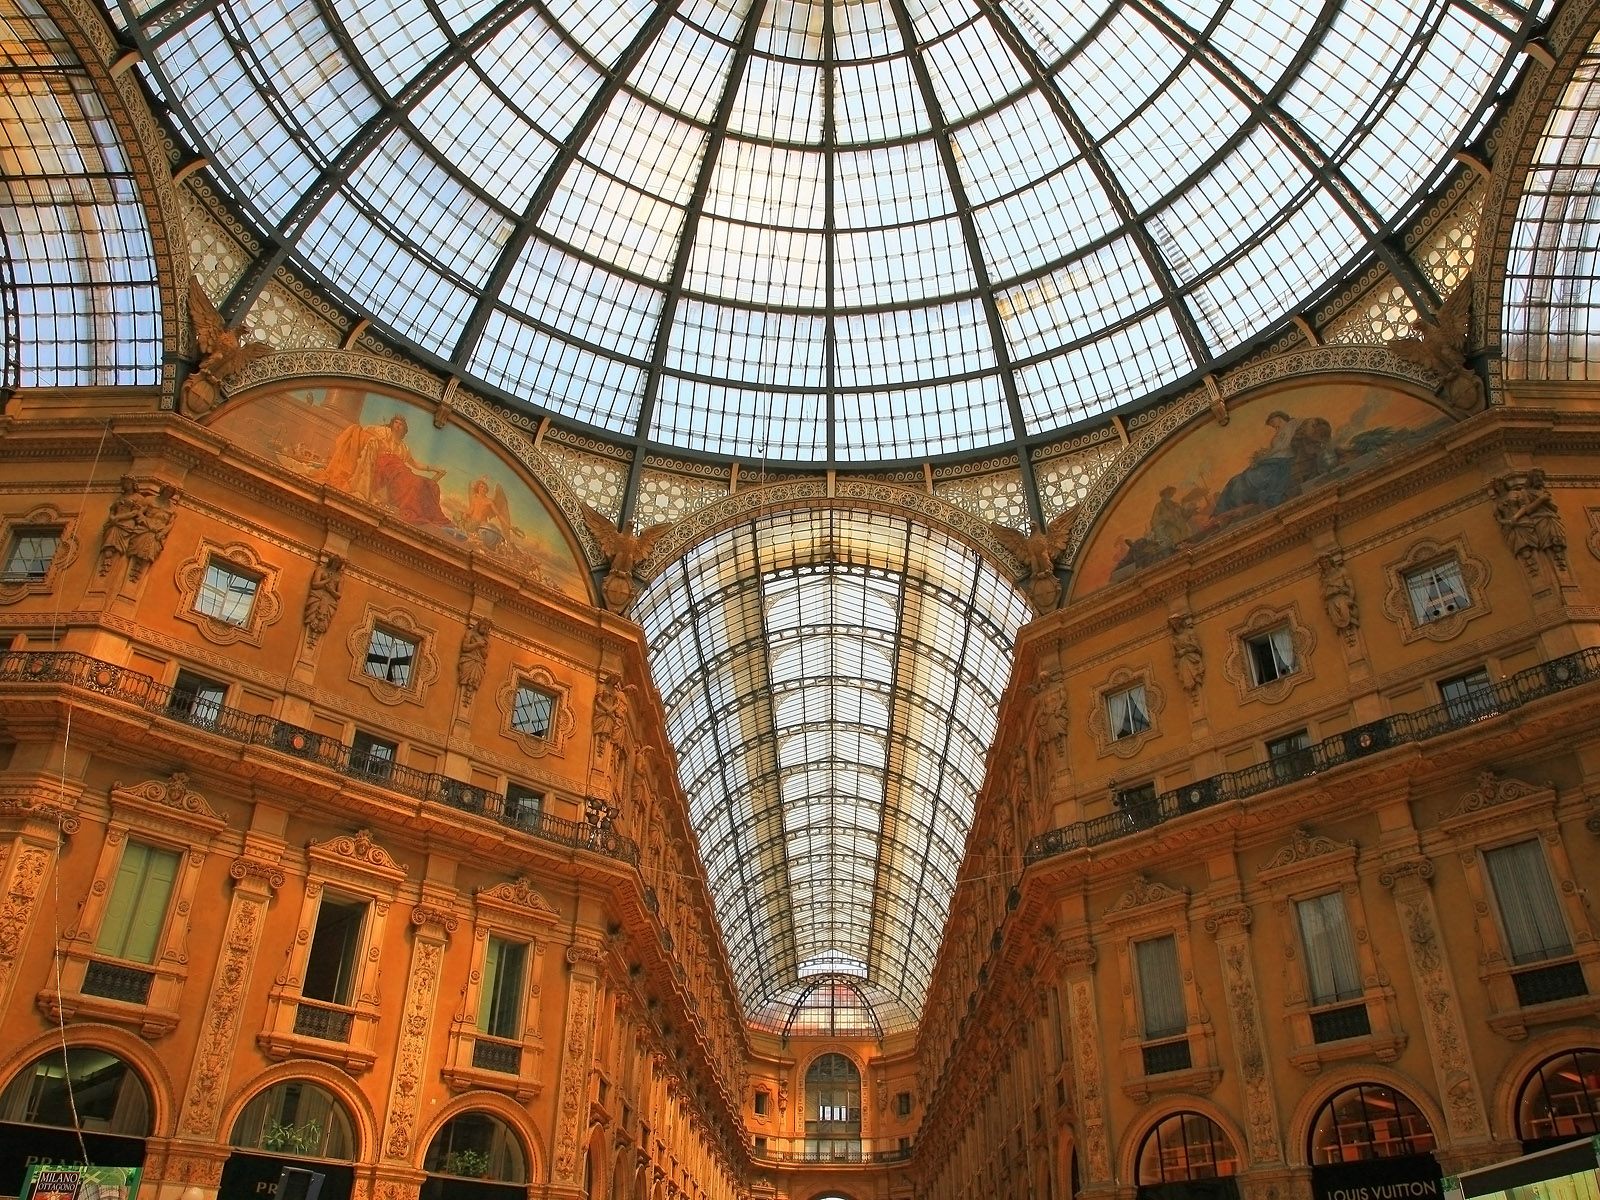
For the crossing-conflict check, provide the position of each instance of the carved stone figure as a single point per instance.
(624, 552)
(1529, 519)
(322, 601)
(1339, 594)
(224, 352)
(121, 521)
(1186, 657)
(1048, 739)
(152, 521)
(474, 660)
(610, 712)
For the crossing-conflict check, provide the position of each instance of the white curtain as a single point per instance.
(1330, 950)
(1127, 712)
(1281, 647)
(1436, 591)
(1529, 910)
(1160, 987)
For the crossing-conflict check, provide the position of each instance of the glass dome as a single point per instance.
(825, 232)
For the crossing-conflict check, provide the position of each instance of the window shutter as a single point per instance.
(1529, 910)
(1160, 987)
(1331, 967)
(491, 985)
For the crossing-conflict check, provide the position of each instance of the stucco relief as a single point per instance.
(17, 910)
(1442, 1020)
(1261, 1126)
(574, 1074)
(220, 1026)
(1086, 1067)
(405, 1094)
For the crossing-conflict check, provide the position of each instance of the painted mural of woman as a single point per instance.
(374, 463)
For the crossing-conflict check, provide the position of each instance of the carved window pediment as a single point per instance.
(1148, 901)
(227, 623)
(557, 725)
(1309, 857)
(386, 686)
(1131, 691)
(167, 806)
(1494, 800)
(354, 858)
(1284, 640)
(1443, 621)
(18, 532)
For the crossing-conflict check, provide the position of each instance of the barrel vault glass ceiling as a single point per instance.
(830, 231)
(831, 681)
(827, 233)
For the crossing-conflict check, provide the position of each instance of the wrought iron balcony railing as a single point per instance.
(1535, 683)
(840, 1151)
(71, 669)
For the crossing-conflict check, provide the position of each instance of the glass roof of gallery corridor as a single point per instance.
(825, 232)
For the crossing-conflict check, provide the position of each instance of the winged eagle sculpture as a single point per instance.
(1439, 344)
(1038, 551)
(223, 351)
(624, 551)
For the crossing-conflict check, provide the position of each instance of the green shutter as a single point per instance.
(491, 982)
(137, 909)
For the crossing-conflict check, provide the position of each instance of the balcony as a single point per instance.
(1525, 687)
(823, 1151)
(327, 1022)
(116, 981)
(69, 669)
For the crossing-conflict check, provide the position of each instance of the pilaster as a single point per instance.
(1229, 925)
(256, 875)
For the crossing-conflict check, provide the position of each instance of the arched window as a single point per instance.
(1368, 1121)
(106, 1093)
(296, 1117)
(477, 1145)
(833, 1108)
(1561, 1098)
(1184, 1147)
(833, 1096)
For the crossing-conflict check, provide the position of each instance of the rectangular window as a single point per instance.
(902, 1104)
(523, 804)
(1127, 713)
(1331, 968)
(196, 699)
(1138, 796)
(390, 656)
(30, 554)
(1436, 591)
(137, 910)
(1530, 914)
(532, 711)
(1161, 1008)
(1271, 655)
(505, 967)
(371, 755)
(1290, 755)
(226, 593)
(331, 962)
(1470, 696)
(761, 1101)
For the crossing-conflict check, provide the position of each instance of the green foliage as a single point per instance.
(292, 1139)
(472, 1164)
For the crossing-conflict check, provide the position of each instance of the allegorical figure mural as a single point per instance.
(388, 453)
(1272, 450)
